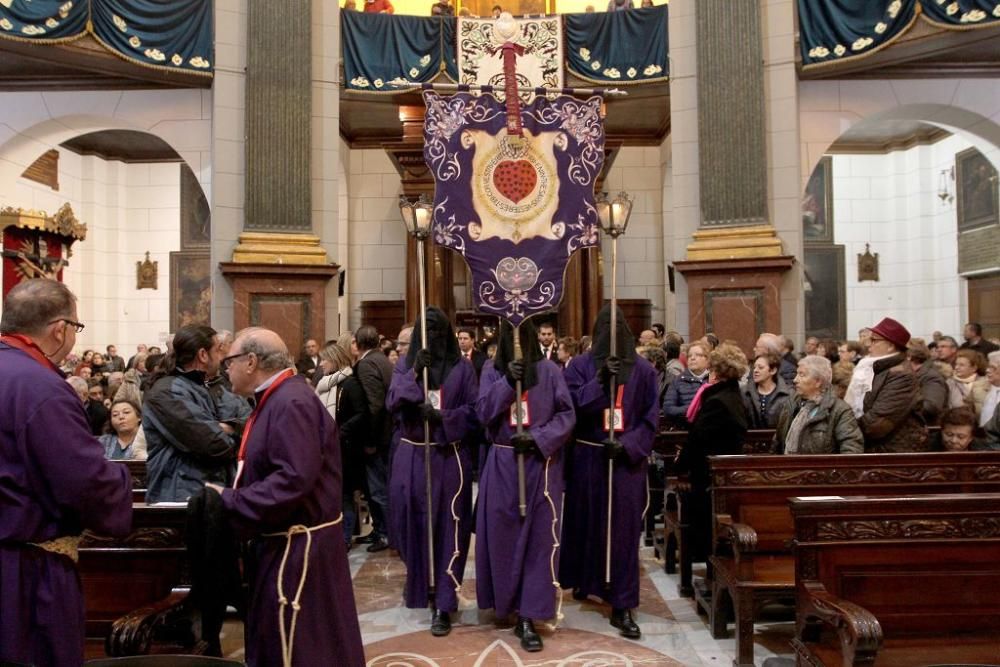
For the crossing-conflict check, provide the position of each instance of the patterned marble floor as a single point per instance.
(672, 632)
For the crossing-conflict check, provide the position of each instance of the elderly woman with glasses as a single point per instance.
(816, 421)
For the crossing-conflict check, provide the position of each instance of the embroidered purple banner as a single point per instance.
(516, 208)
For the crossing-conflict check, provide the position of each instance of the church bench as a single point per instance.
(676, 549)
(898, 580)
(137, 469)
(752, 562)
(135, 588)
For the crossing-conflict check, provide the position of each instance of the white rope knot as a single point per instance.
(288, 637)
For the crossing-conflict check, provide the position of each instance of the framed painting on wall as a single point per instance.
(190, 288)
(196, 215)
(976, 182)
(825, 292)
(817, 204)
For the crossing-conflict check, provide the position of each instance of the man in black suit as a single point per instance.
(374, 370)
(309, 359)
(467, 346)
(547, 341)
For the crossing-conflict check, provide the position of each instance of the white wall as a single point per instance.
(376, 240)
(128, 209)
(890, 201)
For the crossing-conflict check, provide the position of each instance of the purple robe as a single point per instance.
(586, 510)
(514, 556)
(54, 482)
(451, 479)
(292, 476)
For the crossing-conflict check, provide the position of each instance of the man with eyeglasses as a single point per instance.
(56, 482)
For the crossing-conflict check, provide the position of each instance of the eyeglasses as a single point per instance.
(79, 326)
(227, 361)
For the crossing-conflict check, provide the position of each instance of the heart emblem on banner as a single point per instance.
(515, 179)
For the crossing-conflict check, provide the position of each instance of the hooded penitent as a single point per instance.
(531, 354)
(624, 342)
(442, 344)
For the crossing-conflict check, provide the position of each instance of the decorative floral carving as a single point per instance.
(119, 22)
(360, 82)
(841, 476)
(596, 65)
(631, 71)
(894, 8)
(908, 529)
(973, 16)
(200, 63)
(652, 69)
(990, 473)
(7, 25)
(134, 42)
(51, 23)
(612, 73)
(839, 50)
(819, 52)
(862, 43)
(952, 9)
(32, 30)
(64, 9)
(881, 27)
(155, 54)
(177, 60)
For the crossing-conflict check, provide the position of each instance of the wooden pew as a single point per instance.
(898, 581)
(676, 543)
(752, 562)
(135, 588)
(139, 479)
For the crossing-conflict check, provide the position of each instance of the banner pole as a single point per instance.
(611, 412)
(522, 499)
(428, 487)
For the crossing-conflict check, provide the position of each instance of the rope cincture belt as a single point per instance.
(424, 444)
(68, 546)
(288, 638)
(592, 444)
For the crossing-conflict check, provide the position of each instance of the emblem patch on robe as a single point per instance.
(515, 207)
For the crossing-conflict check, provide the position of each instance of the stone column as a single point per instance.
(723, 168)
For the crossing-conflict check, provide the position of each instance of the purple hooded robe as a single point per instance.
(516, 558)
(451, 476)
(586, 510)
(54, 482)
(291, 476)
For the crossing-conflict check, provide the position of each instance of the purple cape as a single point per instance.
(451, 478)
(516, 558)
(586, 509)
(54, 481)
(292, 476)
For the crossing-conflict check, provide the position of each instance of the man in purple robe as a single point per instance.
(54, 480)
(516, 557)
(287, 500)
(585, 527)
(449, 408)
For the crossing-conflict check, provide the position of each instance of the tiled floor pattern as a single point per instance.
(673, 632)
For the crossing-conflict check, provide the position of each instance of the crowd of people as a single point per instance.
(558, 433)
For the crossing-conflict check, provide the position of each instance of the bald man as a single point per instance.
(287, 500)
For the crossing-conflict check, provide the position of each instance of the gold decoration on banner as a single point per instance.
(279, 248)
(146, 274)
(64, 222)
(735, 243)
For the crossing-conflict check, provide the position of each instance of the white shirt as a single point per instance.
(990, 405)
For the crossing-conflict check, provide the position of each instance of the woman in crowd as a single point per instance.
(842, 373)
(816, 421)
(991, 404)
(957, 431)
(344, 399)
(566, 350)
(121, 444)
(655, 355)
(516, 557)
(448, 407)
(718, 426)
(849, 350)
(933, 386)
(682, 390)
(968, 386)
(393, 354)
(766, 394)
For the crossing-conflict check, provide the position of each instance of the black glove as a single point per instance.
(430, 413)
(515, 372)
(523, 443)
(612, 367)
(423, 360)
(614, 450)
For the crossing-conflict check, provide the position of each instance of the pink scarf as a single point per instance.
(695, 406)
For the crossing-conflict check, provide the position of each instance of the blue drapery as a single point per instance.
(618, 47)
(837, 30)
(379, 48)
(165, 34)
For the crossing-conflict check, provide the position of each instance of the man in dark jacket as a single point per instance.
(933, 388)
(885, 395)
(188, 442)
(973, 335)
(681, 391)
(374, 370)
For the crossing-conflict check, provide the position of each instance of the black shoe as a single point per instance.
(525, 629)
(440, 623)
(365, 539)
(380, 543)
(627, 627)
(578, 594)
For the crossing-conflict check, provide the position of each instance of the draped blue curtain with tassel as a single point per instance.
(618, 47)
(379, 48)
(167, 35)
(839, 30)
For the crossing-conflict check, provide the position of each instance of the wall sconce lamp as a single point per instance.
(945, 181)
